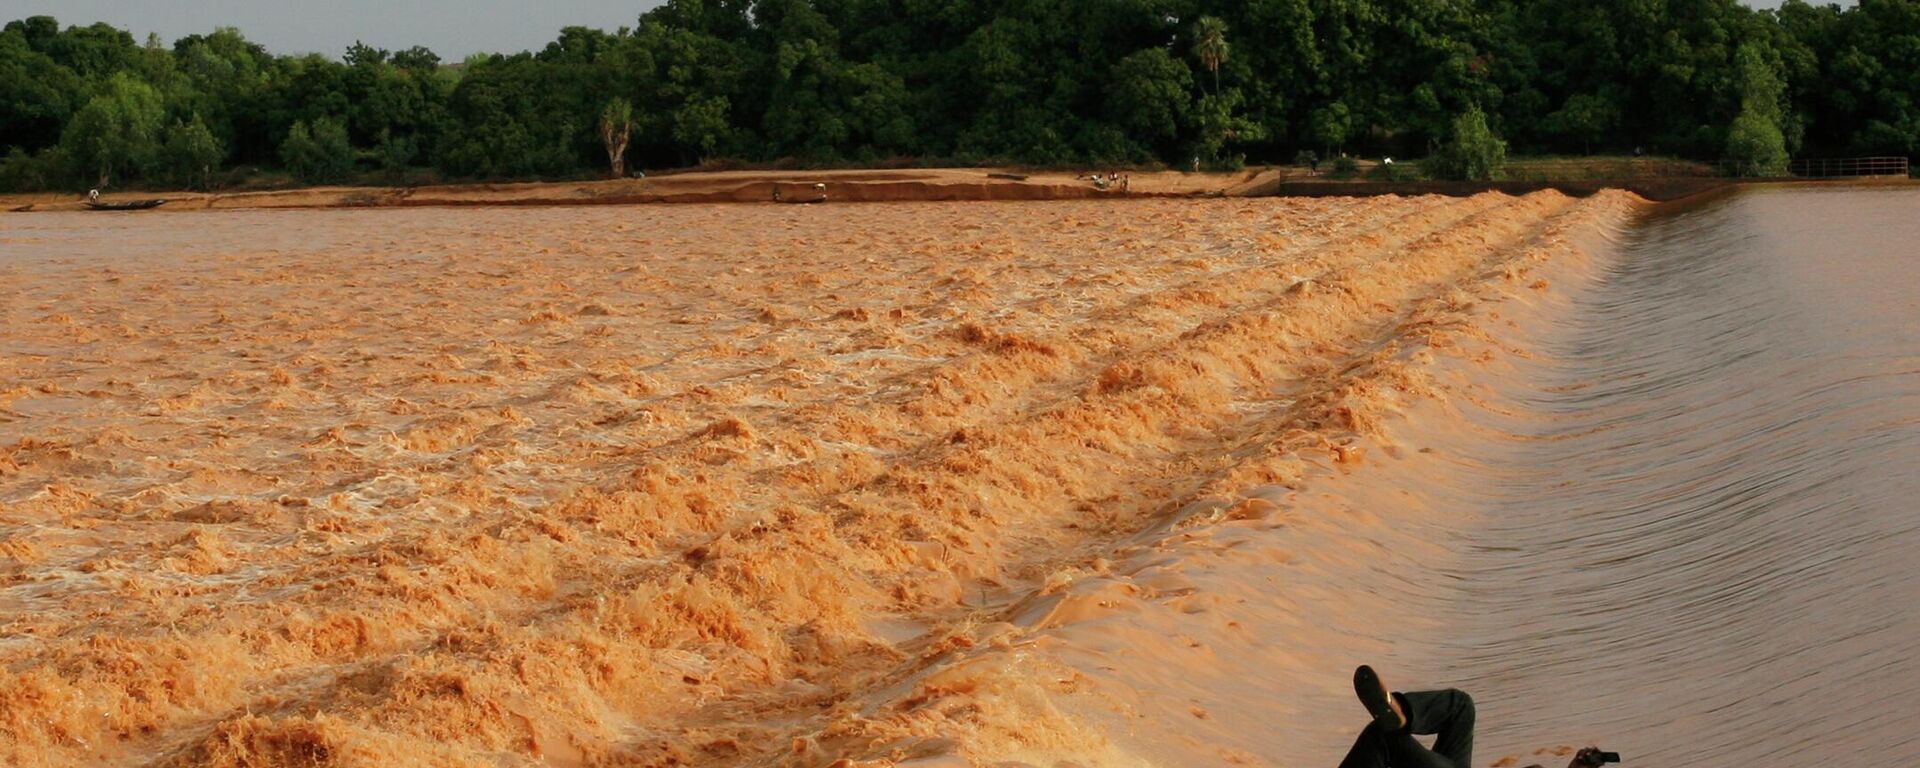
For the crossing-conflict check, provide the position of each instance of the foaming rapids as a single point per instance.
(1694, 528)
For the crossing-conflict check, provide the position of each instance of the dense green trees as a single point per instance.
(1032, 81)
(37, 94)
(1855, 86)
(1584, 117)
(1756, 144)
(319, 154)
(189, 154)
(1149, 95)
(1472, 153)
(117, 130)
(395, 153)
(1755, 147)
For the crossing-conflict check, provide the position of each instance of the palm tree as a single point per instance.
(1210, 45)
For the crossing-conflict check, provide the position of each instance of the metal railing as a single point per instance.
(1847, 167)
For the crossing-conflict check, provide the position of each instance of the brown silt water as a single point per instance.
(923, 485)
(1698, 529)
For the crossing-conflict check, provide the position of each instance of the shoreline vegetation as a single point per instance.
(1199, 86)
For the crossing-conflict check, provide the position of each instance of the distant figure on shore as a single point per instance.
(1388, 740)
(93, 195)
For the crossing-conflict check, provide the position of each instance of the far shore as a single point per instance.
(707, 187)
(877, 185)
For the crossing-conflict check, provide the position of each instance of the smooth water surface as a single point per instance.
(1701, 545)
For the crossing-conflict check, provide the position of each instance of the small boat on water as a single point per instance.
(130, 205)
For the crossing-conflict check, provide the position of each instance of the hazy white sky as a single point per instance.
(452, 28)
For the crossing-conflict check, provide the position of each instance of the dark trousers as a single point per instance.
(1448, 713)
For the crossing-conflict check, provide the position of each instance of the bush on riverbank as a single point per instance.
(1473, 153)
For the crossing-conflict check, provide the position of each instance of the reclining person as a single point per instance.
(1388, 740)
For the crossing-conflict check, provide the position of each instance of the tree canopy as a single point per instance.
(1021, 81)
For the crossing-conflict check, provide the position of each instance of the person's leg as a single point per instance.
(1380, 748)
(1369, 751)
(1449, 714)
(1398, 716)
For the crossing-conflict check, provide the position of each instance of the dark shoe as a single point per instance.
(1376, 698)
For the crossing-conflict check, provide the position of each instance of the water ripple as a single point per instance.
(1700, 531)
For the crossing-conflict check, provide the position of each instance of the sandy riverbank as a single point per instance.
(713, 187)
(1074, 483)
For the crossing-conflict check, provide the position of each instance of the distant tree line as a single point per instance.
(1041, 82)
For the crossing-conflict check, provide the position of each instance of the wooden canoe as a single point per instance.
(130, 205)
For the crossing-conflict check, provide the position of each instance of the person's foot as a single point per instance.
(1375, 697)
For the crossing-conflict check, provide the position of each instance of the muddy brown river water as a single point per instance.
(1079, 483)
(1700, 541)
